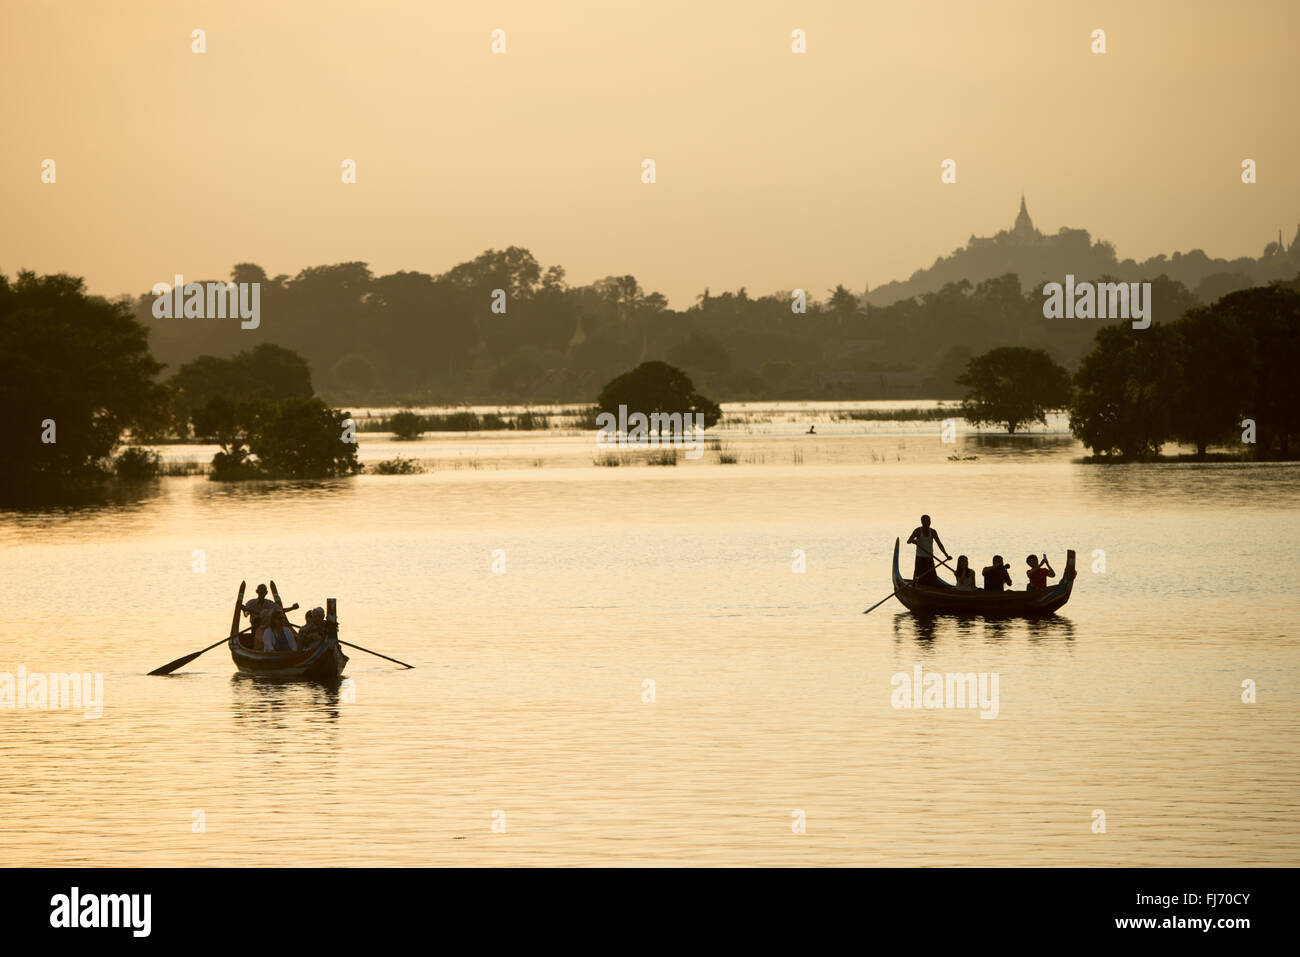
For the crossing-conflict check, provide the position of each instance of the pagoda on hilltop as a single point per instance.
(1022, 233)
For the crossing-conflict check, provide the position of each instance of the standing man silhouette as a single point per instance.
(925, 539)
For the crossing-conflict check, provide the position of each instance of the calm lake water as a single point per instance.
(772, 692)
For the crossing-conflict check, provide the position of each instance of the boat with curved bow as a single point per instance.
(946, 599)
(322, 661)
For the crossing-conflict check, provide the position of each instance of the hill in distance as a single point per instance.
(1037, 257)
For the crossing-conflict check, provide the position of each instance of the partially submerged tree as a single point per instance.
(75, 371)
(304, 438)
(1272, 314)
(1127, 391)
(1218, 364)
(1013, 385)
(657, 387)
(406, 426)
(231, 425)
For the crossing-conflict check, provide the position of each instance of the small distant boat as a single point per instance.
(947, 600)
(323, 661)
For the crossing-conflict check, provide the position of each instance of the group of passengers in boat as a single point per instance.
(995, 576)
(272, 630)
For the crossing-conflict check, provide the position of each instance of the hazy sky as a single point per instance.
(775, 170)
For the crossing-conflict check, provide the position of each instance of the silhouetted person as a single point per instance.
(995, 575)
(314, 630)
(278, 635)
(1039, 572)
(965, 574)
(925, 539)
(259, 611)
(812, 430)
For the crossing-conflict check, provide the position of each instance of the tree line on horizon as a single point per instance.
(77, 371)
(420, 339)
(1220, 375)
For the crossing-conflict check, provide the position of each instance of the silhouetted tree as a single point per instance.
(1217, 362)
(1272, 314)
(1013, 385)
(78, 361)
(657, 387)
(303, 438)
(231, 425)
(406, 426)
(1127, 390)
(267, 372)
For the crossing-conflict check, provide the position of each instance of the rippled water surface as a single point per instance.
(772, 691)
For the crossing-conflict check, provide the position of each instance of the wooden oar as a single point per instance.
(892, 594)
(234, 632)
(275, 593)
(375, 653)
(172, 666)
(943, 562)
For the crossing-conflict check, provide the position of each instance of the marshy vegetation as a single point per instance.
(398, 466)
(408, 425)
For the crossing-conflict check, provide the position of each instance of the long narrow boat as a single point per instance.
(947, 600)
(323, 661)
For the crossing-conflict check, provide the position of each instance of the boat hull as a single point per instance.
(323, 662)
(1006, 604)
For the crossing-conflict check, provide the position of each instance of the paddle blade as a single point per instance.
(172, 666)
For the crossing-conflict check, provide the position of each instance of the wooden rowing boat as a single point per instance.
(324, 661)
(947, 600)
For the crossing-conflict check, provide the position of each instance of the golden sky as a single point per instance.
(774, 170)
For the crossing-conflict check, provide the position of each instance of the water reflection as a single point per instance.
(927, 630)
(269, 704)
(996, 446)
(85, 502)
(277, 488)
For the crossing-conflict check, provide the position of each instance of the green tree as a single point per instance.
(303, 438)
(657, 387)
(1013, 385)
(1127, 390)
(77, 361)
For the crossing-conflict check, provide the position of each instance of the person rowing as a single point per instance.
(259, 611)
(925, 539)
